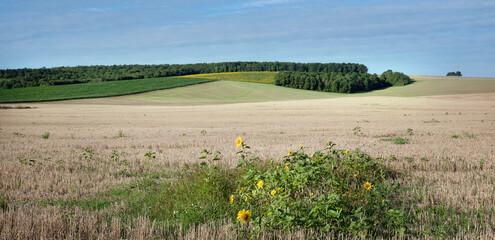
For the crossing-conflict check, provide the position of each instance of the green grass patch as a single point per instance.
(4, 201)
(396, 140)
(94, 89)
(257, 77)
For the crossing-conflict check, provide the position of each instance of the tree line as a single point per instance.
(27, 77)
(340, 82)
(454, 74)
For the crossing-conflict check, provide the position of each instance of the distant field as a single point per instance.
(436, 85)
(221, 92)
(257, 77)
(93, 90)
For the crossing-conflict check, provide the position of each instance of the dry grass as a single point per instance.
(443, 170)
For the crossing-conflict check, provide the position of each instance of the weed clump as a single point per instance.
(330, 190)
(45, 135)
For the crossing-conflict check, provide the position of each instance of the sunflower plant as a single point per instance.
(331, 190)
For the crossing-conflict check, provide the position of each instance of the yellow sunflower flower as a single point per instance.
(368, 186)
(238, 142)
(273, 192)
(244, 216)
(260, 184)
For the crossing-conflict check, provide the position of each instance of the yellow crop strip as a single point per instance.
(258, 77)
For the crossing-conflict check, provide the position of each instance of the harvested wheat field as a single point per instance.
(61, 163)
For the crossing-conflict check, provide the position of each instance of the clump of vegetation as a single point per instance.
(432, 121)
(4, 201)
(330, 190)
(340, 82)
(397, 140)
(454, 74)
(45, 135)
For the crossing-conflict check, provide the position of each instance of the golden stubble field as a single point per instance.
(449, 160)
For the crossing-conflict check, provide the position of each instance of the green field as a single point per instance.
(94, 89)
(221, 92)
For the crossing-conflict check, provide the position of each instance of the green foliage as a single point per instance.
(395, 78)
(330, 81)
(332, 190)
(410, 131)
(94, 89)
(4, 201)
(45, 135)
(18, 78)
(340, 82)
(397, 140)
(454, 74)
(432, 121)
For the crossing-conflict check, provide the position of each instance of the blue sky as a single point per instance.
(414, 37)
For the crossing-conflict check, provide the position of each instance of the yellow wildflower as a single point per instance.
(231, 198)
(311, 194)
(278, 189)
(286, 167)
(278, 166)
(238, 142)
(244, 216)
(312, 154)
(346, 151)
(368, 186)
(288, 154)
(260, 184)
(273, 192)
(240, 190)
(355, 175)
(245, 199)
(270, 213)
(300, 147)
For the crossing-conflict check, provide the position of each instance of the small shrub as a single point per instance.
(455, 136)
(45, 135)
(331, 190)
(410, 131)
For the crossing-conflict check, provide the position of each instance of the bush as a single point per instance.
(330, 190)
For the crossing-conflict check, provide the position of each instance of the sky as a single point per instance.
(422, 37)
